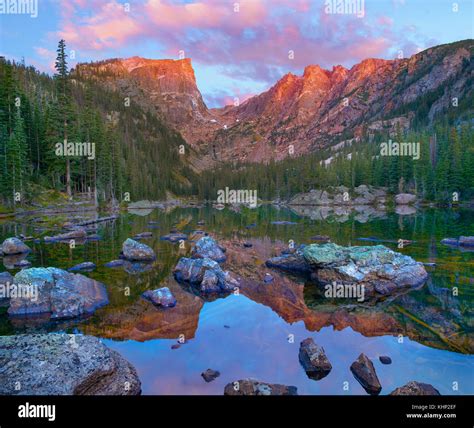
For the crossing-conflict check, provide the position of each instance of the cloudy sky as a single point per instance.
(238, 47)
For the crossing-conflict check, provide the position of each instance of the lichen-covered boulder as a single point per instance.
(160, 297)
(254, 387)
(133, 250)
(56, 293)
(13, 246)
(207, 248)
(381, 269)
(63, 364)
(204, 273)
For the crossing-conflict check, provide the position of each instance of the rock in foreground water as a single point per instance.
(133, 250)
(209, 375)
(63, 364)
(364, 371)
(57, 293)
(254, 387)
(160, 297)
(416, 388)
(207, 248)
(204, 273)
(13, 246)
(313, 359)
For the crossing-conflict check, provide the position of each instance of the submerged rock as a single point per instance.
(83, 267)
(254, 387)
(313, 359)
(416, 388)
(143, 235)
(207, 248)
(56, 293)
(174, 237)
(209, 375)
(63, 364)
(12, 246)
(133, 250)
(160, 297)
(114, 263)
(364, 371)
(205, 273)
(79, 233)
(283, 223)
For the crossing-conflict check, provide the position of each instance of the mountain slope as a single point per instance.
(299, 114)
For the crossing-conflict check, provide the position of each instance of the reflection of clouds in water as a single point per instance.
(266, 355)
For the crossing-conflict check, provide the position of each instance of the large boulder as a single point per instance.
(313, 359)
(416, 388)
(207, 248)
(405, 198)
(13, 246)
(56, 294)
(380, 269)
(205, 273)
(133, 250)
(364, 371)
(63, 364)
(254, 387)
(160, 297)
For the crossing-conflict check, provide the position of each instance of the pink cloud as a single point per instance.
(253, 42)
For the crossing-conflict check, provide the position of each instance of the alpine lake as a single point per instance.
(256, 332)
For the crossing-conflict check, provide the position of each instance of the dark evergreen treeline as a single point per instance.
(445, 166)
(135, 153)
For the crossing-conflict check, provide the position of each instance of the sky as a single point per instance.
(238, 48)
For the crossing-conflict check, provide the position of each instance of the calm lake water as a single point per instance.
(428, 332)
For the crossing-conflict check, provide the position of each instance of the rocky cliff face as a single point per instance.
(299, 114)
